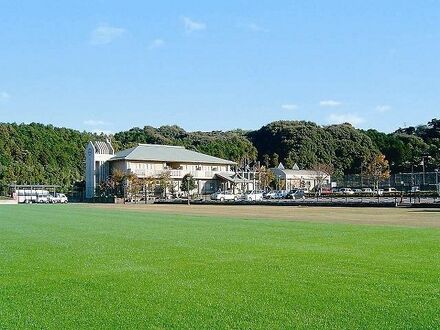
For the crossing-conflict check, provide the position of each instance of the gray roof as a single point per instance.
(294, 172)
(164, 153)
(300, 172)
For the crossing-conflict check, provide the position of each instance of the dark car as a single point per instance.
(296, 194)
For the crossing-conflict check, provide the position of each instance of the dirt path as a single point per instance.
(371, 216)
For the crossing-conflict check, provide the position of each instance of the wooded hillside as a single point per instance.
(36, 153)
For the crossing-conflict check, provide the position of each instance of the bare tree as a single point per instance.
(116, 182)
(165, 182)
(322, 172)
(133, 185)
(148, 184)
(136, 187)
(266, 177)
(378, 170)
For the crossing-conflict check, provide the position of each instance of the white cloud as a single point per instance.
(341, 118)
(330, 103)
(157, 43)
(105, 34)
(92, 122)
(289, 106)
(191, 25)
(4, 96)
(383, 108)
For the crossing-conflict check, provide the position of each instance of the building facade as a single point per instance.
(295, 178)
(151, 161)
(97, 166)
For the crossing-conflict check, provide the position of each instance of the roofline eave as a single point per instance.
(182, 161)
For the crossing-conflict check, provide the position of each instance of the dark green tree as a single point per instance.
(188, 183)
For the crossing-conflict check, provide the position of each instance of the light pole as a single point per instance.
(436, 181)
(425, 156)
(423, 168)
(412, 176)
(412, 184)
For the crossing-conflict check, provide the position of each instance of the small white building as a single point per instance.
(97, 166)
(289, 179)
(150, 160)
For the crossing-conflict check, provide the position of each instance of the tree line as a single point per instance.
(36, 153)
(347, 149)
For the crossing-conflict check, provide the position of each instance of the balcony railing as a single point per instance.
(176, 174)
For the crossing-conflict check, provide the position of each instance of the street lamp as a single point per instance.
(423, 169)
(423, 164)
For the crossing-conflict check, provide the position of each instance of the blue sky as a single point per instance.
(204, 65)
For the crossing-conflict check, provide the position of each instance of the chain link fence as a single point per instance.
(428, 181)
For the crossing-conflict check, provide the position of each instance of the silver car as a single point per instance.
(254, 195)
(224, 196)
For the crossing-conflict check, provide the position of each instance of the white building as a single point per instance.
(150, 160)
(295, 178)
(97, 166)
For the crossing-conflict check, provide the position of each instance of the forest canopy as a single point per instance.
(36, 153)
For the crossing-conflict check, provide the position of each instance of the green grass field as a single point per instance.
(73, 266)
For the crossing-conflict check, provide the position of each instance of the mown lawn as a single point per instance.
(73, 266)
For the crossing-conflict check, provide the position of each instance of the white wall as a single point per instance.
(97, 169)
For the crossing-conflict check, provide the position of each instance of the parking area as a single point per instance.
(368, 199)
(299, 196)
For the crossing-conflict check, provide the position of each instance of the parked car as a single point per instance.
(57, 198)
(224, 196)
(296, 194)
(367, 191)
(281, 194)
(254, 195)
(326, 191)
(390, 190)
(269, 194)
(275, 194)
(346, 191)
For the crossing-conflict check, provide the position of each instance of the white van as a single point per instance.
(58, 198)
